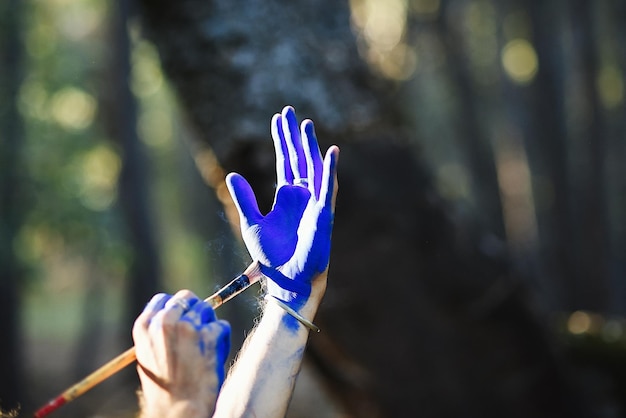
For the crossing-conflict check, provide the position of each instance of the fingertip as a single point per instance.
(289, 121)
(230, 178)
(157, 302)
(276, 127)
(329, 181)
(150, 311)
(238, 187)
(334, 152)
(330, 159)
(333, 155)
(288, 111)
(307, 126)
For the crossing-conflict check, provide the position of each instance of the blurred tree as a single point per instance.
(472, 139)
(591, 291)
(424, 315)
(135, 179)
(11, 135)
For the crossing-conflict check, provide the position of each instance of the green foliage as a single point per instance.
(73, 238)
(70, 168)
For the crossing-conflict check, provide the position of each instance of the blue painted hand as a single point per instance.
(181, 352)
(292, 242)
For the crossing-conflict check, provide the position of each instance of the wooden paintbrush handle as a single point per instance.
(250, 276)
(98, 376)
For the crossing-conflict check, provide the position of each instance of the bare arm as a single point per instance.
(292, 245)
(261, 381)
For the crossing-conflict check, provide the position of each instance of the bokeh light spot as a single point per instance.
(519, 60)
(400, 63)
(100, 171)
(72, 108)
(382, 27)
(147, 77)
(610, 86)
(579, 322)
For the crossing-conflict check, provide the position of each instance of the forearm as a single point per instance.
(262, 379)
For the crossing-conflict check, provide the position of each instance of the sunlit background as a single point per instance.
(72, 242)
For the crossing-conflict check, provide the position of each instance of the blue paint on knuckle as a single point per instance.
(207, 314)
(157, 302)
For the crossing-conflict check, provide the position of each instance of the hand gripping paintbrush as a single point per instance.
(251, 275)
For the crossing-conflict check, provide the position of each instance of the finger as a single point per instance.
(152, 308)
(244, 199)
(284, 174)
(156, 303)
(313, 157)
(201, 314)
(294, 143)
(174, 308)
(217, 335)
(207, 314)
(184, 299)
(168, 316)
(329, 187)
(212, 333)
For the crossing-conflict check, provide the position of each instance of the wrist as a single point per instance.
(302, 317)
(174, 409)
(296, 293)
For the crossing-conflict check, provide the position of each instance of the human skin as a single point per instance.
(292, 243)
(181, 350)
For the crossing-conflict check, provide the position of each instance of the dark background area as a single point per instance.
(479, 248)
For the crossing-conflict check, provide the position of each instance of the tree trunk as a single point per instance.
(472, 137)
(134, 181)
(592, 292)
(11, 389)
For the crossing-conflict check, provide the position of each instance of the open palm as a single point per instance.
(292, 242)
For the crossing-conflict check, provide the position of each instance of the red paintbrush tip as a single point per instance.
(51, 406)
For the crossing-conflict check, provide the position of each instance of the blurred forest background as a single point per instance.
(479, 255)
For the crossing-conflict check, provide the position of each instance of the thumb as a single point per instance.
(244, 199)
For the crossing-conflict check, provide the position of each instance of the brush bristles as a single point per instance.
(253, 271)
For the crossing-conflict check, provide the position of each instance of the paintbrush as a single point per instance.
(251, 275)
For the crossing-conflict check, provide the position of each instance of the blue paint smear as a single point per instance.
(222, 349)
(278, 229)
